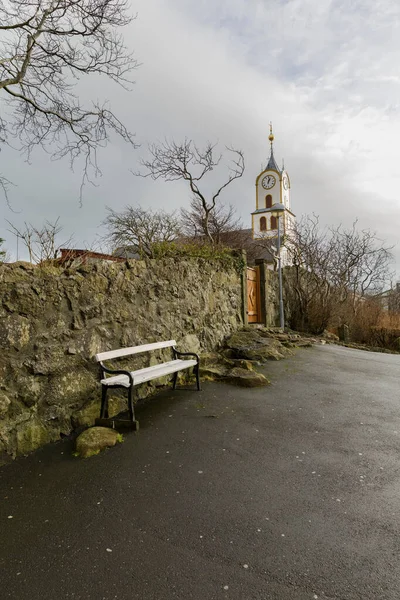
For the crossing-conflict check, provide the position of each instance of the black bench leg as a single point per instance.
(196, 371)
(174, 380)
(130, 404)
(135, 423)
(104, 403)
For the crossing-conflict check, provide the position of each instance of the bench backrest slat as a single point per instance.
(133, 350)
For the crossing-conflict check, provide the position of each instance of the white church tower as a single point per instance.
(272, 189)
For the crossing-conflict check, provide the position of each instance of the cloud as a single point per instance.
(324, 71)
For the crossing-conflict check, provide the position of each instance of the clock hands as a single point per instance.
(268, 181)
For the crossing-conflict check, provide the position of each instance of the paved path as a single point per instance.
(287, 493)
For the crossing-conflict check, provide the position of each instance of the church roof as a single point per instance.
(271, 209)
(243, 239)
(272, 162)
(264, 210)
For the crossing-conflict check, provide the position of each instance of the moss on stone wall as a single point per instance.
(53, 321)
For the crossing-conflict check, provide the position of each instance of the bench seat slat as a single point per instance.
(148, 373)
(134, 350)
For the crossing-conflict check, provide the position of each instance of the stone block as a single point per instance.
(4, 404)
(94, 440)
(246, 378)
(14, 332)
(31, 435)
(189, 343)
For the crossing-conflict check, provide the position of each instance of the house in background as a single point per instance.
(390, 299)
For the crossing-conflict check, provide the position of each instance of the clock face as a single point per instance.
(285, 183)
(268, 182)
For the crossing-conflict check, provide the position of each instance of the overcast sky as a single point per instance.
(325, 72)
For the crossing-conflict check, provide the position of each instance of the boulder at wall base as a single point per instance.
(246, 378)
(266, 353)
(94, 440)
(238, 371)
(212, 372)
(208, 359)
(251, 345)
(214, 365)
(245, 364)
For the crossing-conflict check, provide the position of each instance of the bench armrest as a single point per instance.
(177, 353)
(115, 372)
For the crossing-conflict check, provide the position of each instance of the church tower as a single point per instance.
(272, 192)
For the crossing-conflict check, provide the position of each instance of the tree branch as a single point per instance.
(173, 161)
(43, 46)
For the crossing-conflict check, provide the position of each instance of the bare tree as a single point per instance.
(226, 229)
(3, 253)
(393, 300)
(268, 248)
(361, 263)
(42, 243)
(221, 220)
(46, 46)
(333, 269)
(173, 161)
(308, 289)
(138, 230)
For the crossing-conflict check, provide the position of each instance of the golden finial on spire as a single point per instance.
(271, 135)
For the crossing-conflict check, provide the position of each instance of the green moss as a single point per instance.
(227, 257)
(95, 439)
(31, 435)
(88, 454)
(91, 453)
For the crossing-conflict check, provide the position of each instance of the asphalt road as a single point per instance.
(290, 492)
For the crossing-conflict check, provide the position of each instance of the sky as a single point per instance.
(325, 72)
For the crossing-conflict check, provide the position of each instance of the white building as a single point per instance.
(272, 189)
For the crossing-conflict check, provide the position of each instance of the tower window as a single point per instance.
(268, 201)
(274, 223)
(263, 224)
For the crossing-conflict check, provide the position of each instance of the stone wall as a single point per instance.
(53, 321)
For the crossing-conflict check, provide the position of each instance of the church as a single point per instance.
(272, 211)
(273, 207)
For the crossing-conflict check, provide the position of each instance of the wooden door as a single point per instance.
(253, 295)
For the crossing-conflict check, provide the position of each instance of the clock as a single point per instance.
(268, 182)
(285, 183)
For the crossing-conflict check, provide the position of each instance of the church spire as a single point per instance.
(271, 135)
(272, 162)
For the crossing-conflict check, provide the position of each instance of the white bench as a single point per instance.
(121, 378)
